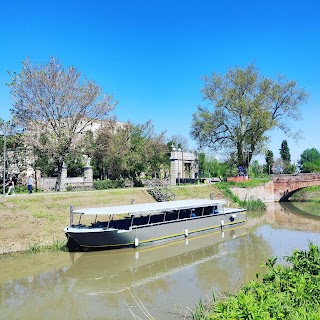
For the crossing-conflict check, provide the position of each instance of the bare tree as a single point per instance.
(55, 105)
(180, 141)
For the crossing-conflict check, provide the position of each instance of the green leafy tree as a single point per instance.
(285, 152)
(255, 169)
(310, 160)
(202, 164)
(311, 166)
(245, 107)
(285, 156)
(129, 150)
(309, 155)
(211, 167)
(56, 105)
(269, 161)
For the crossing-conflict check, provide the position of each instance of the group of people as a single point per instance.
(10, 184)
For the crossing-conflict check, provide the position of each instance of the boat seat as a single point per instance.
(171, 216)
(140, 221)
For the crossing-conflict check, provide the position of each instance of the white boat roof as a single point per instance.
(147, 208)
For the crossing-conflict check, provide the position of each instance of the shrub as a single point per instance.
(108, 184)
(284, 292)
(69, 187)
(250, 205)
(138, 183)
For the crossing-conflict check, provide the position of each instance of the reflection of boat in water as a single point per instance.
(147, 223)
(105, 272)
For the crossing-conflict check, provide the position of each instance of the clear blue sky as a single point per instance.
(152, 54)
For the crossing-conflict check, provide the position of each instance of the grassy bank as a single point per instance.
(29, 222)
(250, 205)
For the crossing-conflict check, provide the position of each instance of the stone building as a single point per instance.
(183, 166)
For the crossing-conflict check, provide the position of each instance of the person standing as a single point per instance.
(10, 184)
(29, 184)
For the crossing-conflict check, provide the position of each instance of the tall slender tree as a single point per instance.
(285, 152)
(269, 161)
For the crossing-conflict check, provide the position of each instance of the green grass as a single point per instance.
(34, 247)
(251, 183)
(44, 215)
(289, 292)
(57, 245)
(250, 205)
(306, 194)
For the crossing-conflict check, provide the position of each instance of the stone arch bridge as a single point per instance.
(280, 188)
(285, 185)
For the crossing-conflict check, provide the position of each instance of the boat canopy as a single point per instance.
(151, 208)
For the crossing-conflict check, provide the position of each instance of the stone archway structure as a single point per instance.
(285, 185)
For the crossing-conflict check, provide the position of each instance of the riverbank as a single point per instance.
(38, 220)
(282, 292)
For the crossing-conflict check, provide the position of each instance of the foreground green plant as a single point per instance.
(285, 292)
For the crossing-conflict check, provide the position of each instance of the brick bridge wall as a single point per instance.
(280, 188)
(287, 184)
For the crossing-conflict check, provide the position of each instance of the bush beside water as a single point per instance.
(284, 292)
(250, 205)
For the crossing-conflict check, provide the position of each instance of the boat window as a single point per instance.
(172, 215)
(157, 218)
(193, 213)
(140, 221)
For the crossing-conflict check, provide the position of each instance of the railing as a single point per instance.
(159, 191)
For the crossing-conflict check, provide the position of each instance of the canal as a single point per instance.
(160, 282)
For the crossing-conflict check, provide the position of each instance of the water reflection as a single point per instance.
(165, 280)
(300, 209)
(107, 272)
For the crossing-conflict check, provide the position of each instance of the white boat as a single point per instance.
(147, 223)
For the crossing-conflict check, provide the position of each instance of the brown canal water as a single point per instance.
(160, 282)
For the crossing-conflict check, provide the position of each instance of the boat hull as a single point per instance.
(101, 238)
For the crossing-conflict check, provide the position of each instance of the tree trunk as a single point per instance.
(58, 181)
